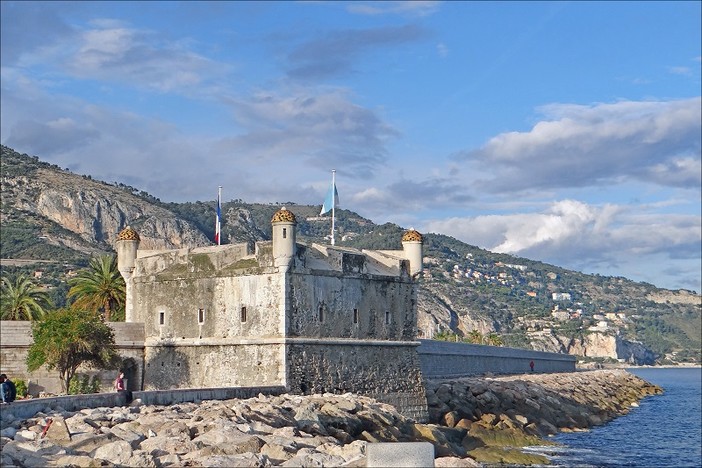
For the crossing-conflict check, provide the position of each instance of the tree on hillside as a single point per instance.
(493, 339)
(100, 287)
(475, 337)
(67, 338)
(22, 299)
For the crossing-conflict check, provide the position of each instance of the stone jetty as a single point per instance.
(473, 421)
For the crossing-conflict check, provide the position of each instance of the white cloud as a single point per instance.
(585, 237)
(685, 71)
(404, 8)
(580, 146)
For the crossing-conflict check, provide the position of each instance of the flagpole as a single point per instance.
(219, 221)
(333, 204)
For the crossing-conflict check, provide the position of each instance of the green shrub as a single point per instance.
(84, 384)
(21, 387)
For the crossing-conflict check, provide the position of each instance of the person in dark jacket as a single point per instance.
(8, 391)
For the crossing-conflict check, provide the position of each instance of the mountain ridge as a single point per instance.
(48, 212)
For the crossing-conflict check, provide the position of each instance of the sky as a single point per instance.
(566, 132)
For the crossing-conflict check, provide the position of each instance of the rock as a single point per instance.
(86, 444)
(443, 447)
(142, 459)
(307, 419)
(58, 431)
(161, 445)
(242, 460)
(231, 441)
(127, 433)
(450, 419)
(311, 458)
(81, 461)
(446, 462)
(332, 417)
(507, 456)
(118, 452)
(277, 453)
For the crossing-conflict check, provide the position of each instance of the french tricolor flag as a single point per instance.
(218, 222)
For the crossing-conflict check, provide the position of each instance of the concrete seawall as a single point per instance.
(32, 406)
(443, 359)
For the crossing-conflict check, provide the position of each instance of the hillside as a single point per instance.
(52, 215)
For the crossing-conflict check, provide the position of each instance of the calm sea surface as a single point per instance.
(664, 431)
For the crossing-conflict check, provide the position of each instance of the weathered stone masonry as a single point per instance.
(310, 318)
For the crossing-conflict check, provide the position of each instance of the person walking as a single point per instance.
(119, 382)
(531, 364)
(8, 391)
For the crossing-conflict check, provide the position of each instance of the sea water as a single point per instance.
(663, 431)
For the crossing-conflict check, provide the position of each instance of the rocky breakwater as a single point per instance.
(286, 430)
(474, 420)
(501, 413)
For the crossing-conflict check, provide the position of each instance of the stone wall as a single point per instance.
(351, 307)
(387, 371)
(221, 300)
(16, 338)
(214, 363)
(442, 359)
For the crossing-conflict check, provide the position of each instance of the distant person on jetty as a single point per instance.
(119, 382)
(8, 391)
(531, 364)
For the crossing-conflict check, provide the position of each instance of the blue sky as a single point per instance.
(556, 131)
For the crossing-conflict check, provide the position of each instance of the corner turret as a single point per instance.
(412, 243)
(283, 222)
(127, 245)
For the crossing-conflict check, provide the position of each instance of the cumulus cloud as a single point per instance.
(578, 146)
(585, 237)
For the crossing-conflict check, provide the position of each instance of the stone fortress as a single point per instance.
(309, 318)
(218, 321)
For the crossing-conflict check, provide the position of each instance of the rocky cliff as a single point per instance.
(595, 345)
(90, 213)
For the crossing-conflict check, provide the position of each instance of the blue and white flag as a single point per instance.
(218, 219)
(332, 200)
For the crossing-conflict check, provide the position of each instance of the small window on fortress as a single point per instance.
(243, 314)
(200, 315)
(388, 317)
(321, 314)
(285, 233)
(355, 315)
(161, 318)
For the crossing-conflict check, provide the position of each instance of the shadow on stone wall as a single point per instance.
(168, 368)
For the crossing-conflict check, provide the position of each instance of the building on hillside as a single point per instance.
(312, 318)
(560, 296)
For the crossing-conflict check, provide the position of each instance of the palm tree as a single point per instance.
(475, 337)
(23, 300)
(100, 287)
(493, 339)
